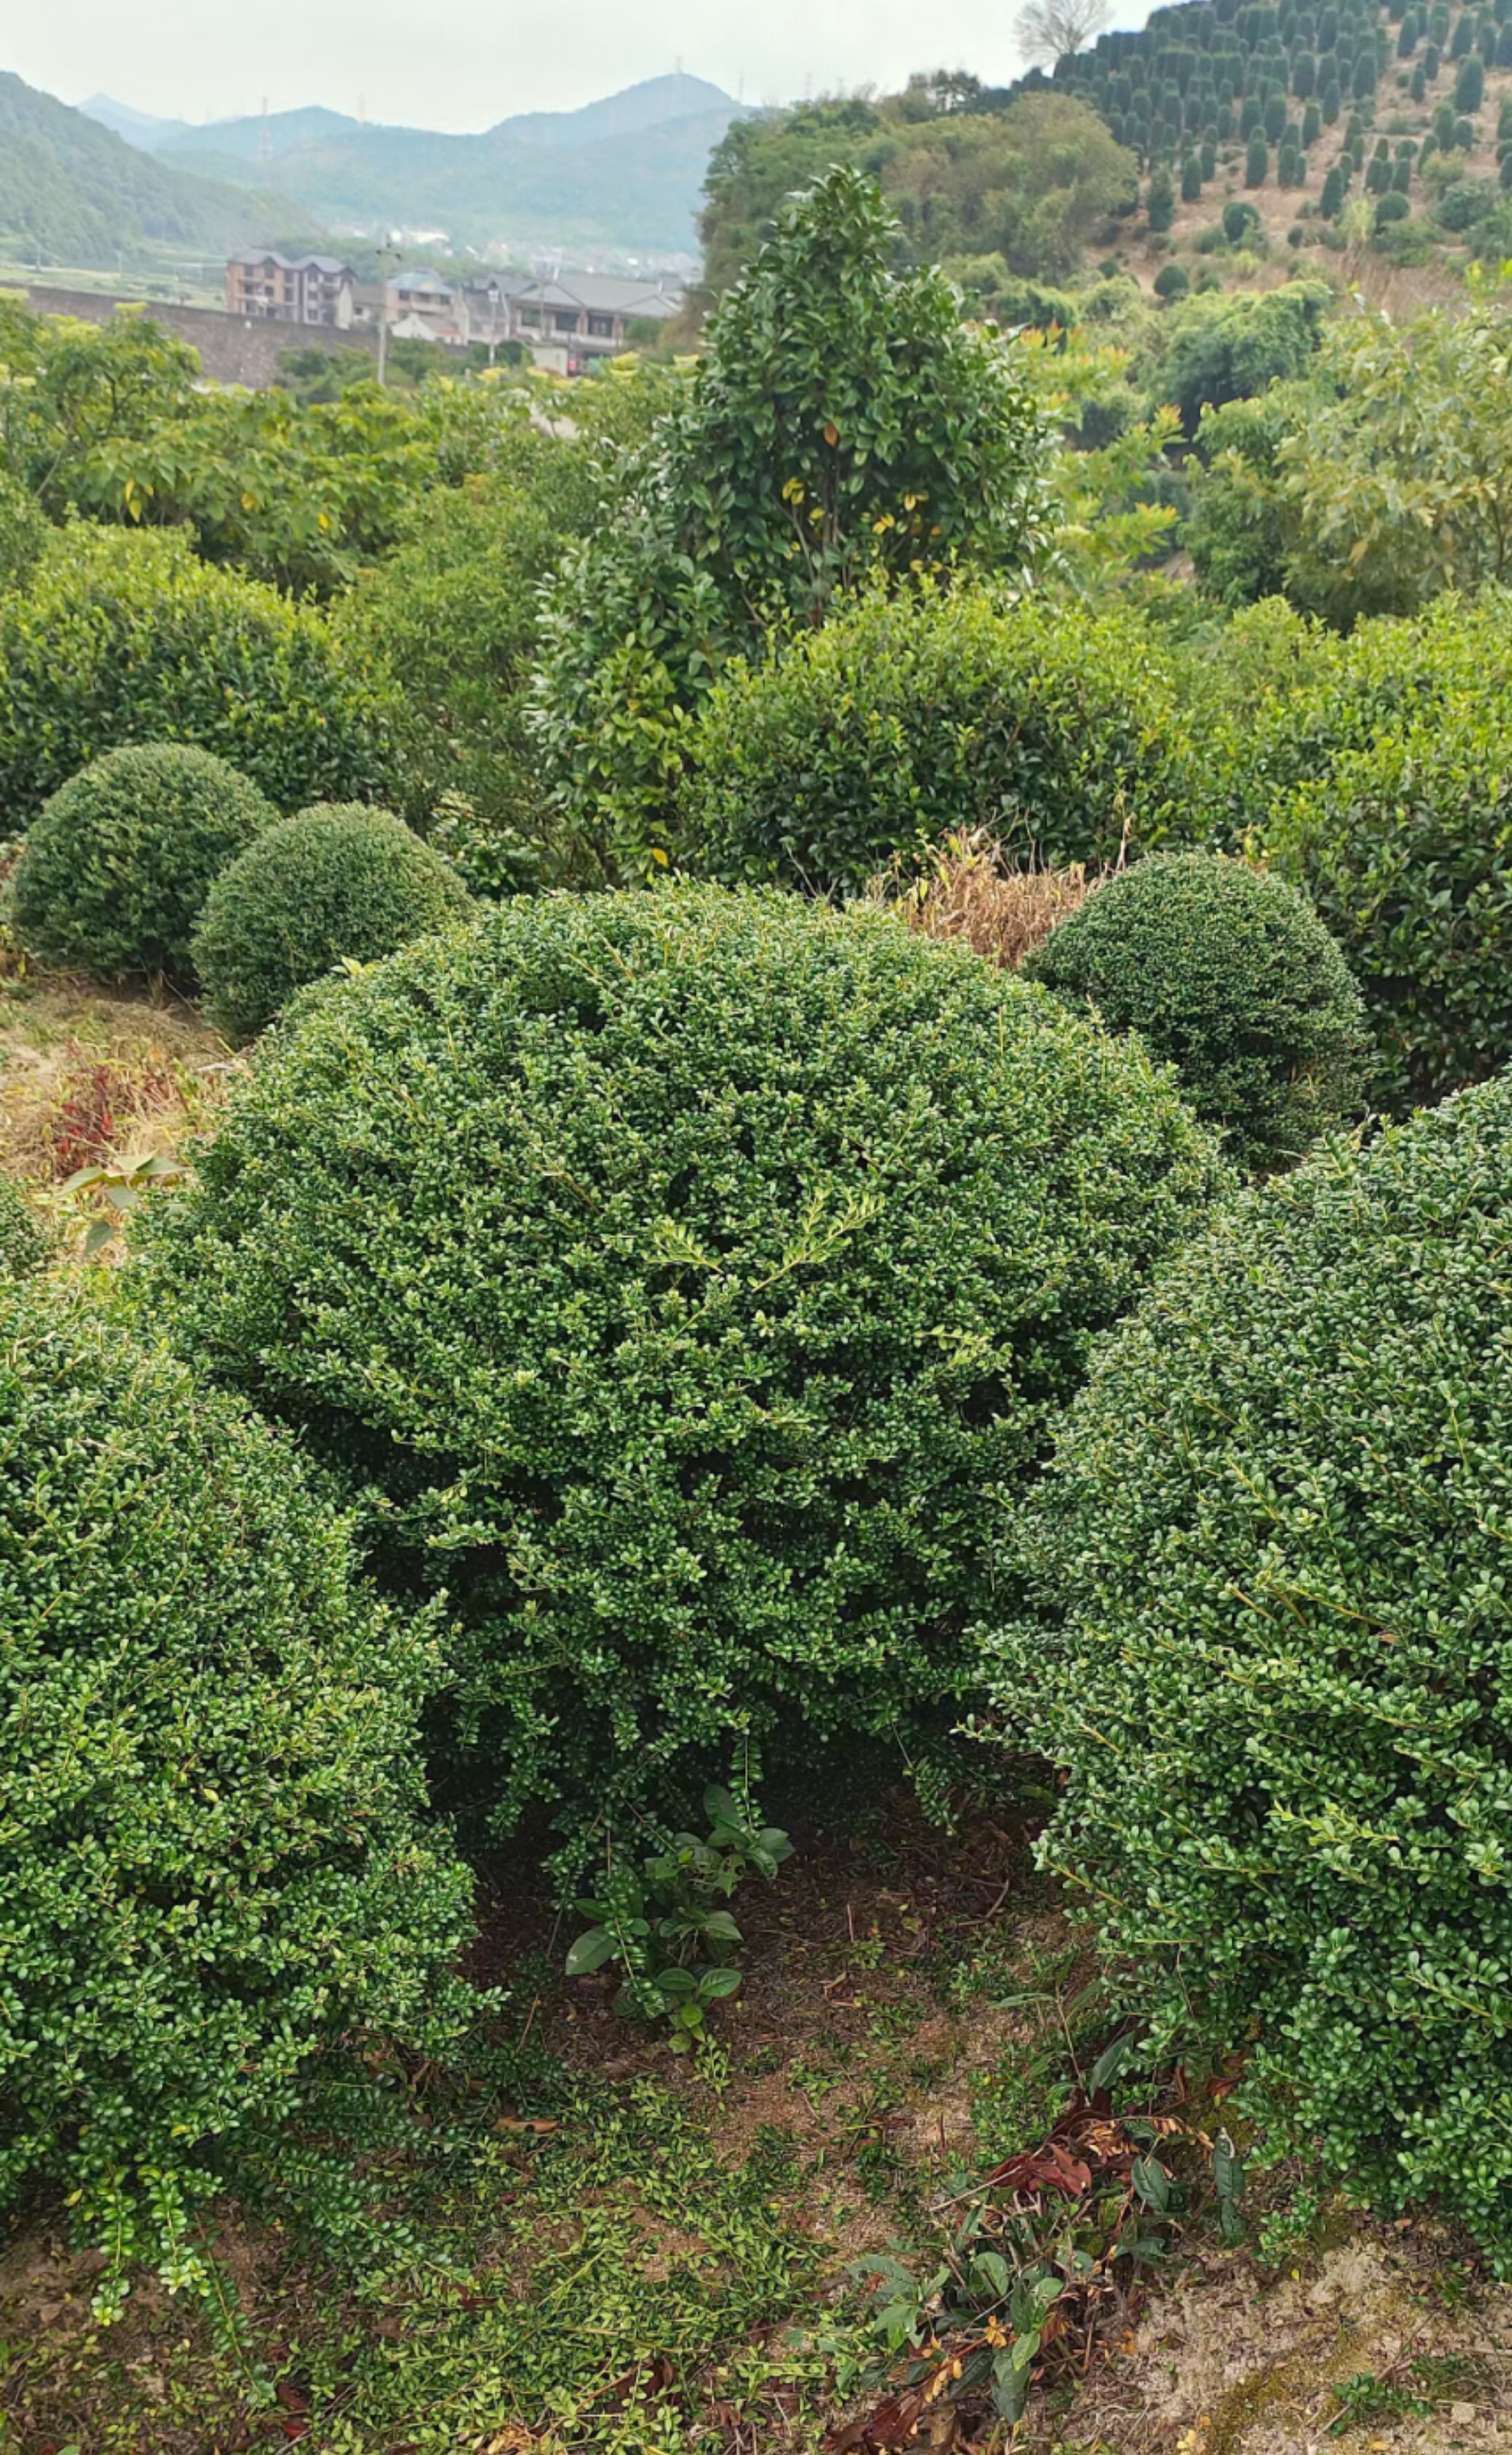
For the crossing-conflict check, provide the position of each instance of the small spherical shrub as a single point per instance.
(1230, 975)
(23, 1244)
(113, 873)
(211, 1869)
(695, 1276)
(125, 636)
(923, 715)
(1274, 1656)
(337, 880)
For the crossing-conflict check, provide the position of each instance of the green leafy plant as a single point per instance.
(115, 868)
(338, 881)
(666, 1926)
(925, 714)
(844, 425)
(126, 639)
(214, 1881)
(1271, 1549)
(1230, 975)
(689, 1280)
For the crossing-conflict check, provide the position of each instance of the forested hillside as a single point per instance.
(622, 173)
(73, 192)
(1344, 128)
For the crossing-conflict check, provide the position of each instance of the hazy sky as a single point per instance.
(463, 64)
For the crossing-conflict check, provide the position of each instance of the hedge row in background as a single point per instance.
(1274, 1551)
(334, 881)
(212, 1876)
(124, 637)
(23, 1244)
(1375, 771)
(907, 718)
(695, 1277)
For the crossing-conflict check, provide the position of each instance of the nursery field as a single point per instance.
(756, 1364)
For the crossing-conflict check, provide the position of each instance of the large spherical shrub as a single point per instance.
(1274, 1655)
(1232, 977)
(124, 637)
(910, 718)
(113, 872)
(210, 1872)
(694, 1276)
(23, 1244)
(337, 880)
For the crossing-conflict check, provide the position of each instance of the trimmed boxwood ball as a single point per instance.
(693, 1276)
(1274, 1656)
(338, 879)
(906, 719)
(210, 1868)
(112, 875)
(1230, 975)
(23, 1244)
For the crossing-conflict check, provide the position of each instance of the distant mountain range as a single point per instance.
(622, 175)
(73, 192)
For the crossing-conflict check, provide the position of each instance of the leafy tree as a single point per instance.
(1399, 475)
(1160, 202)
(451, 616)
(843, 427)
(1257, 162)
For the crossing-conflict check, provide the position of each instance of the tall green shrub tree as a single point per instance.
(844, 425)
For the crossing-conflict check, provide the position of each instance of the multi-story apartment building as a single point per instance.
(297, 290)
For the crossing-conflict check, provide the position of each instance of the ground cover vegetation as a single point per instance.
(813, 949)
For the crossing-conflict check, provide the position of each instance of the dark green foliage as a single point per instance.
(1331, 202)
(23, 534)
(1172, 281)
(910, 718)
(1469, 89)
(212, 1876)
(1191, 181)
(1403, 847)
(337, 881)
(1160, 202)
(1273, 1658)
(1257, 161)
(1230, 975)
(24, 1246)
(125, 637)
(1393, 207)
(1236, 345)
(113, 873)
(689, 1279)
(1239, 221)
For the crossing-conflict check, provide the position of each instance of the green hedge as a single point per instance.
(695, 1277)
(23, 1244)
(339, 880)
(911, 717)
(123, 637)
(1274, 1657)
(113, 873)
(210, 1872)
(1229, 976)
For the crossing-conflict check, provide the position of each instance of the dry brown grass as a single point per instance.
(973, 892)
